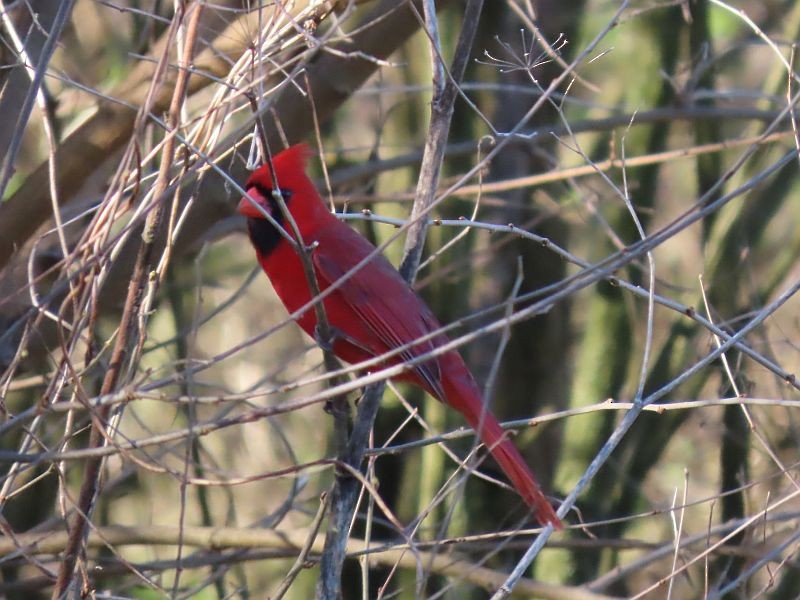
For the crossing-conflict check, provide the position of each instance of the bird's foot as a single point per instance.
(326, 342)
(337, 335)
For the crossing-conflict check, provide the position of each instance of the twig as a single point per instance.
(346, 491)
(344, 495)
(59, 22)
(302, 557)
(133, 303)
(288, 543)
(677, 528)
(442, 105)
(627, 422)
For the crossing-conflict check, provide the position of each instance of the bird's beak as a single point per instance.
(247, 206)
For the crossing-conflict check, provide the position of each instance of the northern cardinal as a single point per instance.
(374, 311)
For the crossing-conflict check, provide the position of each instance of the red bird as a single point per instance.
(374, 311)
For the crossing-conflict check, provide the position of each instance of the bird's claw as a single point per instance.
(337, 407)
(326, 342)
(334, 335)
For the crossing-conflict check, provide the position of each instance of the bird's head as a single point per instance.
(290, 173)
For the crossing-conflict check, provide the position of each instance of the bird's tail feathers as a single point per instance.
(465, 397)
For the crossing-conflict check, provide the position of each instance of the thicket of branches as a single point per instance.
(604, 191)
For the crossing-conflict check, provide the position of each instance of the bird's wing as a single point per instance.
(380, 298)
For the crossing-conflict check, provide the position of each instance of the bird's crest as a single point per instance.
(292, 160)
(289, 165)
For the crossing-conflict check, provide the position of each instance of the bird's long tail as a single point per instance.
(462, 393)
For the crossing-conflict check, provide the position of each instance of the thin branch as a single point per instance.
(59, 22)
(345, 492)
(133, 305)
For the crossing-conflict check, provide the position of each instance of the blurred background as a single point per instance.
(645, 153)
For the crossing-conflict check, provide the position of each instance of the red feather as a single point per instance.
(374, 311)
